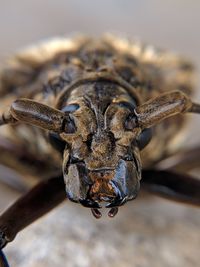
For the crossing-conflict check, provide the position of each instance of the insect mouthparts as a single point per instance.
(97, 214)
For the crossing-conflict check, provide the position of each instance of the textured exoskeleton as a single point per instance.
(90, 120)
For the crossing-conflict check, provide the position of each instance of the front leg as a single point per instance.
(183, 161)
(38, 201)
(175, 186)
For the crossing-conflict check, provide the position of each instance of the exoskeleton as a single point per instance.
(90, 120)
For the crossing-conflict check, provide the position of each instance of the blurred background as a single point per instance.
(149, 231)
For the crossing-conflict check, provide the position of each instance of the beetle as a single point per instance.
(100, 113)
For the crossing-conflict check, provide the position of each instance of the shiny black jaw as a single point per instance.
(111, 203)
(95, 209)
(97, 214)
(91, 188)
(95, 206)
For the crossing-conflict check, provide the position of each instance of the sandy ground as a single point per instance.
(149, 231)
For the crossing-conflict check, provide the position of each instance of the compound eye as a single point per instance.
(57, 142)
(144, 138)
(68, 123)
(131, 122)
(68, 126)
(70, 108)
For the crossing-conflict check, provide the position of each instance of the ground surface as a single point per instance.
(149, 231)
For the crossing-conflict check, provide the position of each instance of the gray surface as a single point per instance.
(148, 231)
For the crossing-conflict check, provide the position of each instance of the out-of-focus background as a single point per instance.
(149, 231)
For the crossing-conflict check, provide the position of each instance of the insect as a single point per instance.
(85, 119)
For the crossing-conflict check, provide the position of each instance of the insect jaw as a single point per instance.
(97, 214)
(95, 206)
(111, 186)
(114, 201)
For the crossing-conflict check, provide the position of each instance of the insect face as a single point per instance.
(101, 161)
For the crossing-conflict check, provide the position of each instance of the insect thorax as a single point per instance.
(44, 72)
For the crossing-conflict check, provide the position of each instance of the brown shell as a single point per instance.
(52, 71)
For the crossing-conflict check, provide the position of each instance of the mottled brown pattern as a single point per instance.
(96, 103)
(44, 71)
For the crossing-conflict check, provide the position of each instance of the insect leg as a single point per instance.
(169, 184)
(38, 201)
(25, 161)
(164, 106)
(182, 161)
(3, 260)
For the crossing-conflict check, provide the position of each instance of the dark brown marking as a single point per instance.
(113, 212)
(96, 213)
